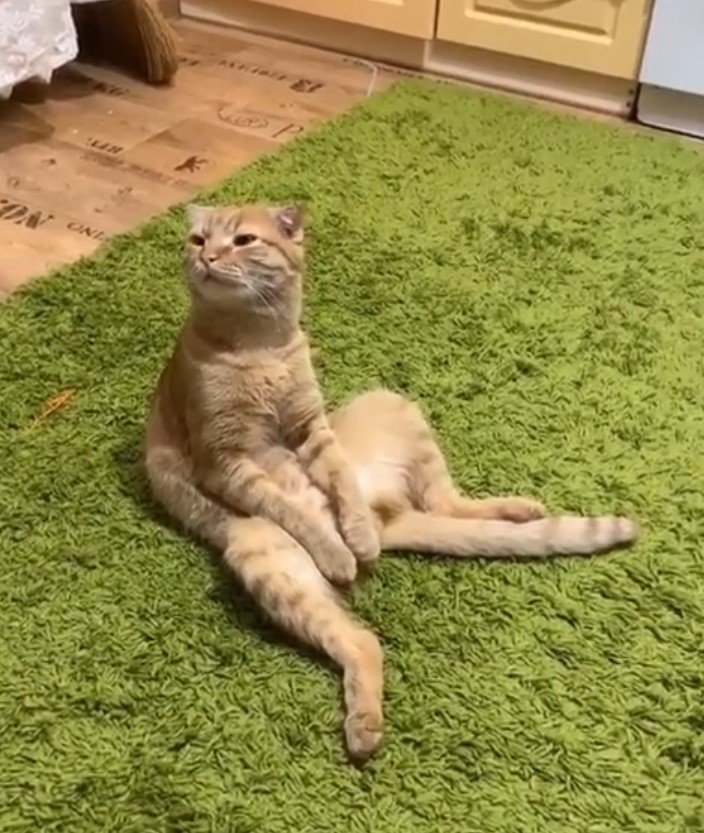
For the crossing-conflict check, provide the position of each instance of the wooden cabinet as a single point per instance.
(405, 17)
(582, 52)
(601, 36)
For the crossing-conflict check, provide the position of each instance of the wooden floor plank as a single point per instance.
(104, 152)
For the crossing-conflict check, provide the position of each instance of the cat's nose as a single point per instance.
(210, 257)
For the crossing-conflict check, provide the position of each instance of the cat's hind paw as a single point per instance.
(363, 732)
(519, 510)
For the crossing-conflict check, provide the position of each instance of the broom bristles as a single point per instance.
(160, 53)
(132, 34)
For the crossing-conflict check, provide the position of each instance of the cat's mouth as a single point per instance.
(224, 279)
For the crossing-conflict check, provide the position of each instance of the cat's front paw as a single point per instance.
(362, 538)
(336, 562)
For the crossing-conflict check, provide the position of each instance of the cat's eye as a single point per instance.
(244, 239)
(197, 240)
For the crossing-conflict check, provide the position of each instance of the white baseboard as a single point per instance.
(531, 78)
(671, 110)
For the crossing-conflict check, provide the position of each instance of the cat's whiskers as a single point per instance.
(268, 300)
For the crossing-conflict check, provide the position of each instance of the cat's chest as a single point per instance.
(242, 390)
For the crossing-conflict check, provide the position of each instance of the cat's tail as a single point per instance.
(565, 535)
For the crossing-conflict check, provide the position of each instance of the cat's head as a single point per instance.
(250, 256)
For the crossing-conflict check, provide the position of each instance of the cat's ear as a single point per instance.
(197, 215)
(289, 220)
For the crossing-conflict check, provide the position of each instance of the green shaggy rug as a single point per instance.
(537, 283)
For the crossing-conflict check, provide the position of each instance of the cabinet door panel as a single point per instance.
(603, 36)
(406, 17)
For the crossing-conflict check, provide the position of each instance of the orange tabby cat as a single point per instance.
(239, 450)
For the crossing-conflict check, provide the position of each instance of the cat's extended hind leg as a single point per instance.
(401, 466)
(404, 477)
(286, 583)
(433, 490)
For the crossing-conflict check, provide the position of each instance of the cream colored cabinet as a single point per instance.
(584, 52)
(406, 17)
(601, 36)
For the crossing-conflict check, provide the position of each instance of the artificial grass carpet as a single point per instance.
(537, 283)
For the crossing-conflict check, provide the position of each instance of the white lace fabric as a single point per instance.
(36, 37)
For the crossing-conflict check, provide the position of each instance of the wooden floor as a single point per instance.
(104, 152)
